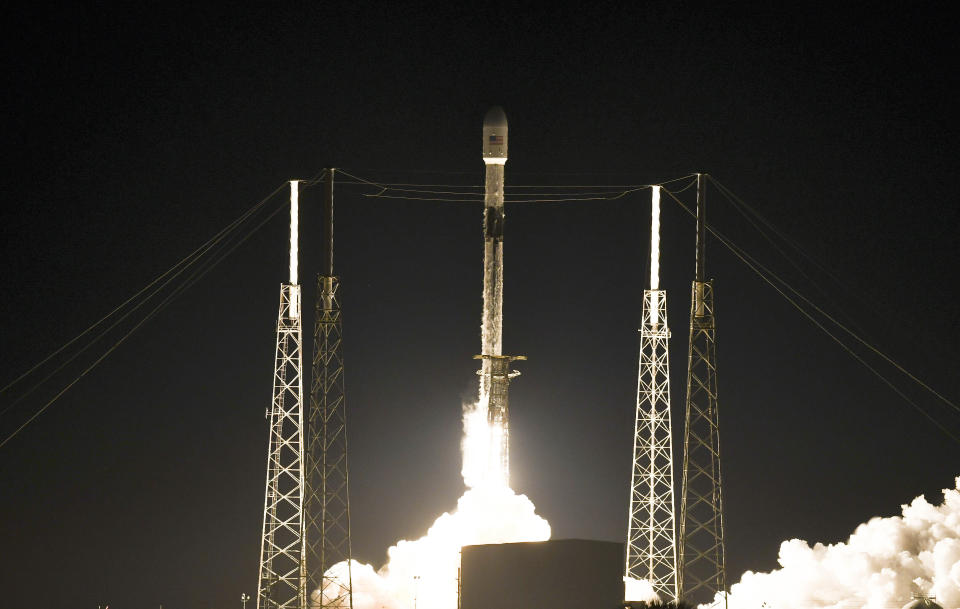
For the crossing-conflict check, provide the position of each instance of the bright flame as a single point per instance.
(475, 445)
(424, 573)
(481, 447)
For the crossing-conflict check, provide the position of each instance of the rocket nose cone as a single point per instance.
(495, 118)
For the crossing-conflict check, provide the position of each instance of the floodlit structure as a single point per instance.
(703, 569)
(495, 373)
(327, 516)
(306, 514)
(282, 577)
(651, 536)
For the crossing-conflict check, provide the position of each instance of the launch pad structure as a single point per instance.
(282, 577)
(701, 547)
(306, 555)
(651, 534)
(328, 480)
(306, 518)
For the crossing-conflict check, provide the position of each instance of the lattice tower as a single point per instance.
(703, 570)
(282, 569)
(328, 505)
(328, 497)
(651, 537)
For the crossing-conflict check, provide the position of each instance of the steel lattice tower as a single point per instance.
(701, 546)
(282, 577)
(651, 537)
(328, 498)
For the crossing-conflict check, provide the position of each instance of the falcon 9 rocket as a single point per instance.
(495, 372)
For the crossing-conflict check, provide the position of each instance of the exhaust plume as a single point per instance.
(424, 573)
(883, 563)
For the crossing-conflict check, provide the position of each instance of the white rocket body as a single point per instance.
(495, 158)
(495, 137)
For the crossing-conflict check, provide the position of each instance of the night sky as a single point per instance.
(132, 137)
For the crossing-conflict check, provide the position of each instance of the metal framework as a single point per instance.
(651, 537)
(328, 504)
(328, 497)
(703, 572)
(282, 570)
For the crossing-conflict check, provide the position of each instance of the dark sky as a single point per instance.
(132, 137)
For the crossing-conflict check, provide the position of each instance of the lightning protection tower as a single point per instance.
(281, 583)
(328, 497)
(651, 537)
(703, 570)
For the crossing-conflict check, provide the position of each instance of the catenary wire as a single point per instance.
(187, 260)
(614, 196)
(197, 274)
(691, 176)
(422, 187)
(612, 193)
(752, 265)
(861, 340)
(208, 247)
(753, 217)
(825, 269)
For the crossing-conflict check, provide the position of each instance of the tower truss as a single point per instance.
(703, 571)
(281, 581)
(328, 505)
(328, 498)
(651, 537)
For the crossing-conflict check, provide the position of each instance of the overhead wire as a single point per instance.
(765, 227)
(740, 203)
(198, 272)
(868, 344)
(384, 184)
(463, 193)
(613, 196)
(614, 192)
(766, 275)
(186, 260)
(514, 173)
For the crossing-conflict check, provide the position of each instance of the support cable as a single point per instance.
(186, 261)
(383, 184)
(191, 280)
(762, 272)
(753, 217)
(844, 328)
(614, 196)
(463, 194)
(740, 204)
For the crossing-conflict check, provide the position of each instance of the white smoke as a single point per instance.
(424, 573)
(882, 565)
(641, 590)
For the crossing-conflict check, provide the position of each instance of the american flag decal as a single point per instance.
(496, 139)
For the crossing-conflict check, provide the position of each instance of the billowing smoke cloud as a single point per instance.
(639, 590)
(424, 572)
(881, 565)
